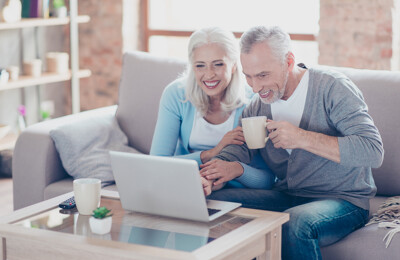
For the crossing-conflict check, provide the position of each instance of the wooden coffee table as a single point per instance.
(41, 231)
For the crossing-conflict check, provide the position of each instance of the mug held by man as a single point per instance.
(255, 131)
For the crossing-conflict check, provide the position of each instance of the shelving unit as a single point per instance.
(74, 73)
(45, 78)
(40, 22)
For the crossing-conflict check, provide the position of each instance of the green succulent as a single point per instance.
(58, 3)
(101, 212)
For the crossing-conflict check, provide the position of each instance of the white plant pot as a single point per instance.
(61, 12)
(100, 226)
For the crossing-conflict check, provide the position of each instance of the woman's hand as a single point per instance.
(221, 171)
(207, 186)
(234, 136)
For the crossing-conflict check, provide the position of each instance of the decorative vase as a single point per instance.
(61, 12)
(11, 12)
(100, 226)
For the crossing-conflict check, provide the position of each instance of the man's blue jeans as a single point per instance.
(313, 222)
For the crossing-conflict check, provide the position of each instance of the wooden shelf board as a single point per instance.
(45, 78)
(34, 22)
(8, 141)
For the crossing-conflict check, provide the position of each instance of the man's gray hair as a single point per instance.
(277, 39)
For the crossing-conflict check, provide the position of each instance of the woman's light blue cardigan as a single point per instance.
(172, 133)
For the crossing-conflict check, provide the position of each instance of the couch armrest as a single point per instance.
(36, 162)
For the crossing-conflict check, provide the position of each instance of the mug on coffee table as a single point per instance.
(255, 131)
(87, 195)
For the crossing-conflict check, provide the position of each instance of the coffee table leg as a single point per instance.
(274, 240)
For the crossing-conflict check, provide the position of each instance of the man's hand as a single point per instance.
(207, 185)
(285, 135)
(221, 171)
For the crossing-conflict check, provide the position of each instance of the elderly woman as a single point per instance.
(199, 112)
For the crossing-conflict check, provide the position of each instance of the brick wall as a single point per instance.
(100, 50)
(396, 36)
(353, 33)
(356, 33)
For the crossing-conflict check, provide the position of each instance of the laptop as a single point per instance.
(164, 186)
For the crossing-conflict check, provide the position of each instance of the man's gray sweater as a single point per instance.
(335, 107)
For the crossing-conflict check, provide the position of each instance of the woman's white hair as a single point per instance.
(234, 95)
(277, 39)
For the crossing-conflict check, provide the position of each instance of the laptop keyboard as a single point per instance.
(212, 211)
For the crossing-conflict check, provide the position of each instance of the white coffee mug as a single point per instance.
(255, 132)
(87, 195)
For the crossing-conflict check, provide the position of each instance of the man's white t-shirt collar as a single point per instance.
(292, 109)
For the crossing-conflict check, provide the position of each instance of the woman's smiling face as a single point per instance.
(212, 69)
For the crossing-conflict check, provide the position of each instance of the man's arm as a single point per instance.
(225, 166)
(323, 145)
(287, 136)
(358, 142)
(223, 171)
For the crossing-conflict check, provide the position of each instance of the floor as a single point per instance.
(6, 196)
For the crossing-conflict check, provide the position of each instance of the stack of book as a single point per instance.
(35, 8)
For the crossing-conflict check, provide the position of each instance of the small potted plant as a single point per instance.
(101, 221)
(59, 8)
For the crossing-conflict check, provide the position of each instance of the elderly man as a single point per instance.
(322, 145)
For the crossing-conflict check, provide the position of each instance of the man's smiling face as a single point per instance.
(265, 74)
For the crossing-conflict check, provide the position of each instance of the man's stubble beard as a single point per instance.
(277, 95)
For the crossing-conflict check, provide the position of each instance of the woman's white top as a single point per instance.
(291, 110)
(205, 136)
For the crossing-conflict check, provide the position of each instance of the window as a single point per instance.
(169, 23)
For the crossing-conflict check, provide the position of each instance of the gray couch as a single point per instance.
(38, 173)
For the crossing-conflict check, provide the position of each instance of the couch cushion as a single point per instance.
(83, 146)
(375, 203)
(381, 90)
(143, 80)
(364, 244)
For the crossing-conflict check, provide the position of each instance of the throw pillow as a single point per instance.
(84, 144)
